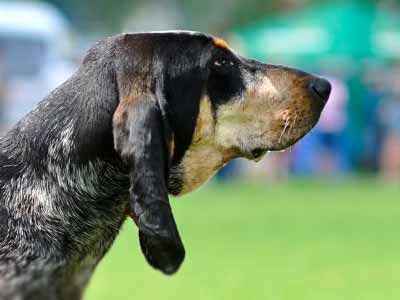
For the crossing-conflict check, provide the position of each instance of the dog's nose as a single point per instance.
(321, 87)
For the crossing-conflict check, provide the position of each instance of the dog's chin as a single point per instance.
(258, 152)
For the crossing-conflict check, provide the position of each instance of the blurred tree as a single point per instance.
(209, 15)
(95, 16)
(104, 16)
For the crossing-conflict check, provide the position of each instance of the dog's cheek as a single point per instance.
(202, 158)
(199, 165)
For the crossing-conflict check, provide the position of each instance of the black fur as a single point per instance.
(225, 82)
(100, 147)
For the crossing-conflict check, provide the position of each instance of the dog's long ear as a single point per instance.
(141, 137)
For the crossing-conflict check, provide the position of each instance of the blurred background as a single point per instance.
(315, 222)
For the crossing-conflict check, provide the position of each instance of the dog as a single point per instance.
(146, 115)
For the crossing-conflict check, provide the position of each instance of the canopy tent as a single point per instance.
(342, 34)
(332, 32)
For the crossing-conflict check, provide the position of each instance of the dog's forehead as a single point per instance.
(175, 33)
(216, 41)
(219, 42)
(188, 32)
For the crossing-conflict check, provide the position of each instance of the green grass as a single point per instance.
(302, 240)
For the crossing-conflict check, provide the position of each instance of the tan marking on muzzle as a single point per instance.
(261, 89)
(282, 114)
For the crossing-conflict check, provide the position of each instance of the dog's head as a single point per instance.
(189, 104)
(219, 105)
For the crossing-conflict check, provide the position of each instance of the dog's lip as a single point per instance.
(257, 153)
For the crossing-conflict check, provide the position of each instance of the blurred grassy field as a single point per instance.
(302, 240)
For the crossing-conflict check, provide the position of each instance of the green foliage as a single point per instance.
(95, 16)
(207, 15)
(303, 240)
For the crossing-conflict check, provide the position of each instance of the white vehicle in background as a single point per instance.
(34, 48)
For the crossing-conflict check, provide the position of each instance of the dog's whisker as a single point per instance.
(287, 122)
(293, 123)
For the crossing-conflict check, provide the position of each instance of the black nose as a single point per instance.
(321, 87)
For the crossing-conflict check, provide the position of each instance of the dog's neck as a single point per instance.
(63, 190)
(66, 212)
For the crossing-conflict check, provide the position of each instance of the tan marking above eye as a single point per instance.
(220, 43)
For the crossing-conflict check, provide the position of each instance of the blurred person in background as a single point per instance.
(389, 117)
(34, 38)
(274, 167)
(375, 90)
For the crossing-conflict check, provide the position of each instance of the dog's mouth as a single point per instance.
(257, 154)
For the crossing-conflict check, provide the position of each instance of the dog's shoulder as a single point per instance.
(10, 168)
(10, 165)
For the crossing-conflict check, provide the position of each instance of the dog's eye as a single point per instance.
(223, 63)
